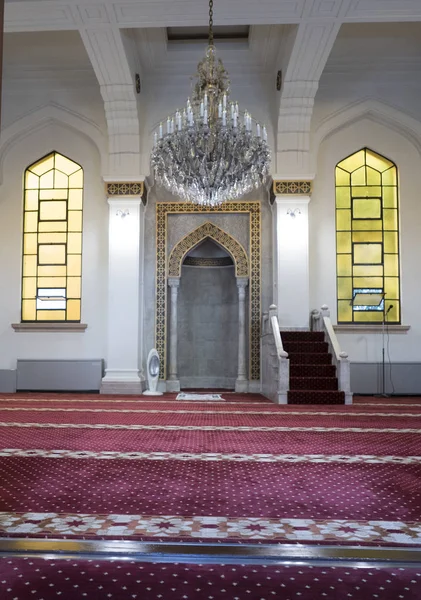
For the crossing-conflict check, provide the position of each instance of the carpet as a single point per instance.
(243, 471)
(39, 579)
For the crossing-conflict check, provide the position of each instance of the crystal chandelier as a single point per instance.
(210, 151)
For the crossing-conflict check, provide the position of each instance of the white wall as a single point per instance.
(364, 347)
(90, 344)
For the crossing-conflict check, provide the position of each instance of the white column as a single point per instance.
(122, 363)
(292, 293)
(173, 383)
(241, 384)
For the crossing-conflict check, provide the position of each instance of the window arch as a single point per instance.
(367, 238)
(52, 240)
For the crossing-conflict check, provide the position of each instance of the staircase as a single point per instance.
(312, 375)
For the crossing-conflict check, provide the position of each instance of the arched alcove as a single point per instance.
(208, 318)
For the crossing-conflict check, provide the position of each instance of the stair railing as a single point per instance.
(320, 321)
(275, 361)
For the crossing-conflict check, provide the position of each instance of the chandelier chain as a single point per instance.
(210, 22)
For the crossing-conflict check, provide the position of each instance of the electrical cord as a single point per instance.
(388, 353)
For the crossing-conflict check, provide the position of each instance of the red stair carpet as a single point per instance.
(312, 375)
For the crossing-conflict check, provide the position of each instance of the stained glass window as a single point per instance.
(367, 238)
(52, 240)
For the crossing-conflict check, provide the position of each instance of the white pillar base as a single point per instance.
(150, 393)
(122, 382)
(241, 386)
(173, 385)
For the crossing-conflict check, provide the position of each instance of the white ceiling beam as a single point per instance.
(303, 56)
(44, 15)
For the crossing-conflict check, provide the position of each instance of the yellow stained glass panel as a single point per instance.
(345, 287)
(342, 177)
(353, 162)
(47, 180)
(344, 265)
(376, 161)
(53, 194)
(52, 254)
(65, 165)
(391, 242)
(373, 177)
(366, 225)
(73, 310)
(43, 165)
(363, 316)
(344, 311)
(30, 221)
(46, 226)
(29, 287)
(74, 220)
(52, 210)
(394, 314)
(31, 200)
(391, 287)
(30, 245)
(61, 180)
(390, 219)
(76, 180)
(368, 254)
(390, 197)
(368, 271)
(367, 236)
(366, 208)
(389, 177)
(52, 238)
(343, 197)
(391, 265)
(73, 287)
(51, 271)
(51, 282)
(30, 265)
(366, 191)
(74, 243)
(31, 181)
(74, 265)
(51, 315)
(28, 310)
(343, 220)
(75, 199)
(368, 282)
(343, 242)
(358, 177)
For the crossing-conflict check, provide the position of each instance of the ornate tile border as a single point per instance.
(163, 209)
(126, 189)
(209, 527)
(296, 188)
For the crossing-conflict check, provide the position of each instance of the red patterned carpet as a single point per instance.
(241, 470)
(21, 579)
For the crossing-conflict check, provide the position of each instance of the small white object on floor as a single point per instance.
(213, 397)
(152, 370)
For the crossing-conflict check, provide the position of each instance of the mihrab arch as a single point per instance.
(235, 249)
(218, 235)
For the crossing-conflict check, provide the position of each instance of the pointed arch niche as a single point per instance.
(208, 276)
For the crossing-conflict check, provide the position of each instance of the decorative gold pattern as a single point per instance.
(253, 209)
(208, 230)
(125, 189)
(296, 188)
(204, 261)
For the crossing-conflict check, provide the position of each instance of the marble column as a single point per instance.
(173, 383)
(122, 373)
(241, 384)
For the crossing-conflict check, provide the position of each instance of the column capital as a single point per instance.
(242, 282)
(123, 190)
(174, 282)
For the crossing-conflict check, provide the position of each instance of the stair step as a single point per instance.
(302, 336)
(313, 383)
(315, 397)
(304, 370)
(308, 358)
(310, 347)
